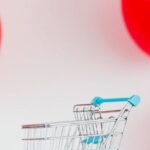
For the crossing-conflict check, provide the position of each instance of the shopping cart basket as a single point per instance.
(94, 133)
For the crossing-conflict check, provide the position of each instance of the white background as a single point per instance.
(56, 53)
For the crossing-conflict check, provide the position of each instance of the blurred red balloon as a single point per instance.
(0, 33)
(137, 18)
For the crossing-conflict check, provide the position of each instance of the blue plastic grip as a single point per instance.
(133, 100)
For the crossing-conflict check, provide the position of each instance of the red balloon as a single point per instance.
(0, 34)
(137, 18)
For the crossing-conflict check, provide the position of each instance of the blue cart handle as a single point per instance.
(133, 100)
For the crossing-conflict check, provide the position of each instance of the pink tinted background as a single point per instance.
(59, 53)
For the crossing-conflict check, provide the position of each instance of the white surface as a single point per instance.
(58, 53)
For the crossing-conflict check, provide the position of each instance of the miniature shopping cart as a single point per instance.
(93, 128)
